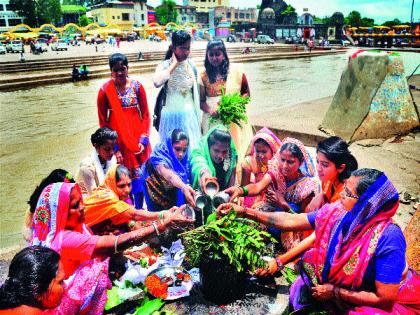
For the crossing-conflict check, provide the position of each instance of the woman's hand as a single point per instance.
(234, 192)
(316, 203)
(205, 175)
(189, 194)
(323, 292)
(224, 209)
(276, 199)
(177, 216)
(119, 157)
(270, 269)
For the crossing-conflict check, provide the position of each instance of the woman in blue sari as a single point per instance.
(166, 175)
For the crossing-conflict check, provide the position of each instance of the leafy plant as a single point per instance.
(289, 274)
(236, 239)
(232, 109)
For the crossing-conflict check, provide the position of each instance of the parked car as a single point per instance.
(42, 43)
(264, 39)
(14, 46)
(59, 45)
(2, 49)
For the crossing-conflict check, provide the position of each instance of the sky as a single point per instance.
(379, 10)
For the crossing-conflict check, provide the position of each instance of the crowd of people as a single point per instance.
(330, 216)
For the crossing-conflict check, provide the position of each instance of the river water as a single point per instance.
(49, 127)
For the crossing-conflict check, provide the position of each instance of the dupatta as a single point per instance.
(201, 158)
(307, 169)
(51, 214)
(104, 202)
(163, 154)
(346, 241)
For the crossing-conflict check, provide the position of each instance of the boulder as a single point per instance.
(373, 100)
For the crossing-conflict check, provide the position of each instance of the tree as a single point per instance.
(27, 9)
(84, 20)
(289, 10)
(37, 12)
(166, 12)
(354, 18)
(392, 23)
(367, 22)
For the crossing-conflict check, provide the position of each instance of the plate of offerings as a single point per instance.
(137, 253)
(169, 283)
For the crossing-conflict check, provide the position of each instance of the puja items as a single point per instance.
(224, 250)
(169, 283)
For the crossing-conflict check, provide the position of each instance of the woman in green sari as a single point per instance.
(214, 158)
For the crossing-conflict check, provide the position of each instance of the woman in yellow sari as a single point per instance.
(221, 77)
(109, 208)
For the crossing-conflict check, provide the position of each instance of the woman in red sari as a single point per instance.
(122, 106)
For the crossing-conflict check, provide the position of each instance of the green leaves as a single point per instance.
(237, 239)
(232, 108)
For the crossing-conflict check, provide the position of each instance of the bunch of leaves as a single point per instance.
(238, 240)
(289, 274)
(232, 108)
(122, 292)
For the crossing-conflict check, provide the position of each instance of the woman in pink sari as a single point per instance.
(58, 223)
(357, 264)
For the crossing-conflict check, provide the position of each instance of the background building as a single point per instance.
(205, 5)
(186, 14)
(8, 18)
(114, 12)
(140, 12)
(235, 15)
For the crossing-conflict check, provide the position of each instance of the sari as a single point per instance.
(201, 160)
(294, 192)
(346, 242)
(158, 192)
(128, 115)
(241, 135)
(103, 206)
(258, 169)
(86, 276)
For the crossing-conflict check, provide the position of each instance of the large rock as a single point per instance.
(373, 100)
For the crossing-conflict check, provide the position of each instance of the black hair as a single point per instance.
(178, 135)
(121, 169)
(30, 274)
(102, 135)
(294, 149)
(224, 67)
(337, 151)
(56, 176)
(117, 57)
(219, 136)
(367, 177)
(263, 142)
(178, 38)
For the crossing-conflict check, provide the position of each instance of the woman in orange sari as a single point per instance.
(107, 209)
(122, 106)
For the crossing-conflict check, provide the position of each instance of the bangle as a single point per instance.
(280, 265)
(131, 224)
(161, 214)
(337, 293)
(116, 244)
(245, 189)
(155, 227)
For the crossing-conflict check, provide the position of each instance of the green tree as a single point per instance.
(166, 12)
(84, 20)
(392, 23)
(289, 10)
(354, 18)
(367, 22)
(37, 12)
(27, 9)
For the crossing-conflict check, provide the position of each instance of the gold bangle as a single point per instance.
(155, 227)
(116, 244)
